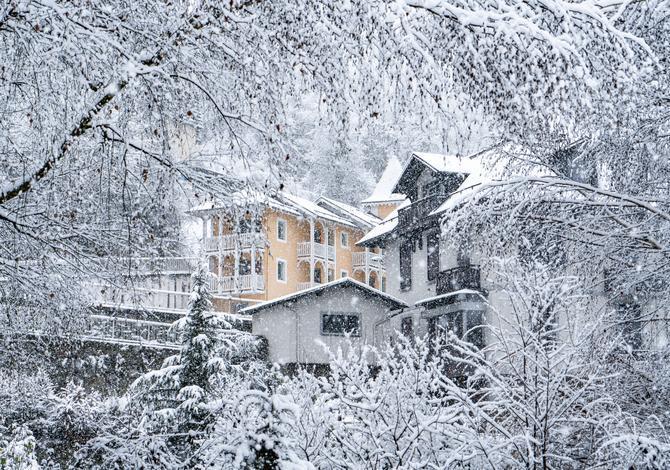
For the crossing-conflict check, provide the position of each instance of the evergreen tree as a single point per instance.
(176, 397)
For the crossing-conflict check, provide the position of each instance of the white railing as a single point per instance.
(307, 285)
(131, 331)
(246, 282)
(171, 265)
(142, 298)
(211, 244)
(229, 242)
(320, 250)
(370, 260)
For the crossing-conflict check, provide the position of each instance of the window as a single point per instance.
(344, 273)
(317, 235)
(317, 276)
(281, 270)
(340, 324)
(407, 327)
(465, 325)
(406, 265)
(344, 240)
(331, 237)
(433, 255)
(383, 284)
(331, 275)
(281, 230)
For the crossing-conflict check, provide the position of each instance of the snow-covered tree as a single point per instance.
(104, 104)
(19, 452)
(177, 396)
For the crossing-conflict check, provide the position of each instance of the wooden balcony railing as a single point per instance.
(141, 298)
(361, 260)
(138, 266)
(307, 285)
(320, 250)
(460, 277)
(242, 283)
(230, 242)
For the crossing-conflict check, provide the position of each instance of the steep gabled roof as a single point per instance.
(383, 191)
(447, 163)
(437, 163)
(385, 228)
(356, 216)
(311, 209)
(393, 303)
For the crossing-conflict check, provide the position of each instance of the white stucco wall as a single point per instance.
(293, 330)
(421, 287)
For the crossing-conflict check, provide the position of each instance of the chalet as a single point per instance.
(273, 246)
(443, 285)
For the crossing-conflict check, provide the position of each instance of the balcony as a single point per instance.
(460, 277)
(230, 242)
(242, 283)
(319, 250)
(363, 260)
(141, 298)
(307, 285)
(139, 266)
(418, 211)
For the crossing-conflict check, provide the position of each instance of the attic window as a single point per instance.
(340, 324)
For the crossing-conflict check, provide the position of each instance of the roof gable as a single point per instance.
(383, 191)
(371, 292)
(436, 164)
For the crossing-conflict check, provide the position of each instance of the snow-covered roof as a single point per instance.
(347, 281)
(489, 166)
(384, 228)
(447, 163)
(466, 189)
(284, 202)
(310, 208)
(355, 215)
(383, 191)
(435, 162)
(441, 297)
(242, 198)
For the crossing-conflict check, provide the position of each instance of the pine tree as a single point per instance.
(176, 397)
(198, 361)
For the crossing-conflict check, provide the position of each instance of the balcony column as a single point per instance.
(253, 268)
(327, 230)
(335, 252)
(311, 252)
(236, 273)
(221, 260)
(204, 230)
(367, 266)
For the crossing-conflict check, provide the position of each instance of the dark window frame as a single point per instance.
(354, 333)
(433, 257)
(405, 254)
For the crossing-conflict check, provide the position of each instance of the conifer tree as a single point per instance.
(176, 397)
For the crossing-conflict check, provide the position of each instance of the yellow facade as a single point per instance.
(271, 250)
